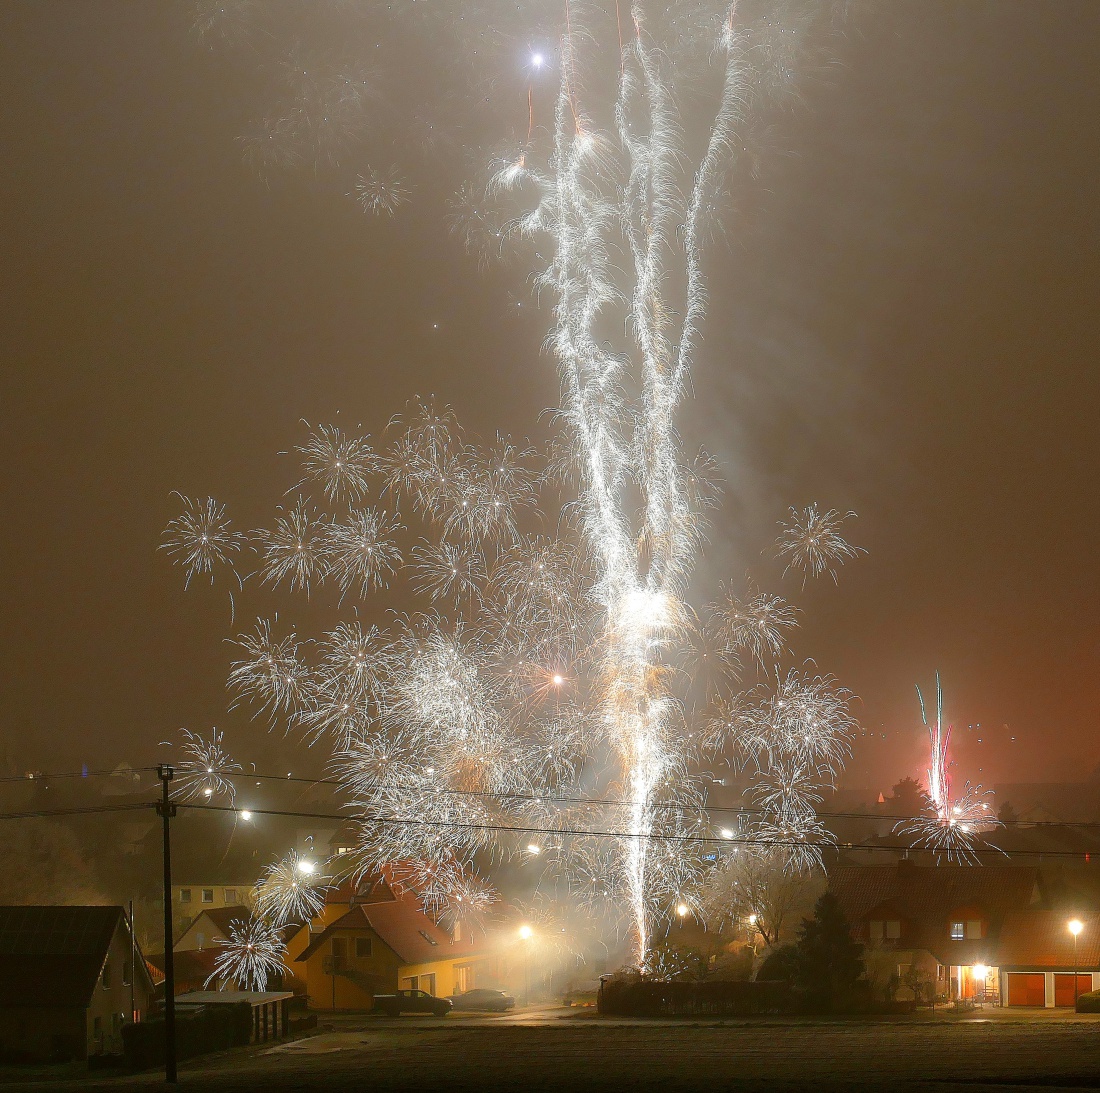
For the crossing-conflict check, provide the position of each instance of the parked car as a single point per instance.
(483, 1000)
(393, 1005)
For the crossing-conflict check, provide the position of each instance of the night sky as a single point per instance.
(904, 323)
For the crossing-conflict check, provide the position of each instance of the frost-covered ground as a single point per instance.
(998, 1051)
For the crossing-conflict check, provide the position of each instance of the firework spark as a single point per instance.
(250, 956)
(206, 774)
(291, 890)
(201, 538)
(812, 542)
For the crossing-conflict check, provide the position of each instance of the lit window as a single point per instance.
(185, 895)
(363, 946)
(974, 928)
(903, 970)
(208, 895)
(958, 931)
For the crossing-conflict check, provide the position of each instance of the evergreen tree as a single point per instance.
(830, 962)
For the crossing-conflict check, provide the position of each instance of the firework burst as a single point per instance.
(252, 954)
(206, 771)
(292, 890)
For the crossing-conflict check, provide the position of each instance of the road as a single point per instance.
(541, 1050)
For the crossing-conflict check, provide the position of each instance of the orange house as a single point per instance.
(368, 940)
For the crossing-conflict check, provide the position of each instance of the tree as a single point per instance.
(756, 887)
(829, 961)
(1007, 814)
(907, 798)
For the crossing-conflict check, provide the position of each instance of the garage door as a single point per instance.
(1028, 989)
(1063, 988)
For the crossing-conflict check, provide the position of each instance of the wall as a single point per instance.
(327, 991)
(40, 1034)
(111, 1004)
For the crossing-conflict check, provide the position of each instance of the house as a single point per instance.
(192, 899)
(191, 969)
(75, 977)
(965, 932)
(211, 927)
(370, 939)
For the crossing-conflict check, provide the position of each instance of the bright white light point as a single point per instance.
(682, 909)
(245, 814)
(1075, 926)
(306, 867)
(752, 920)
(537, 60)
(208, 792)
(726, 833)
(534, 848)
(558, 680)
(525, 932)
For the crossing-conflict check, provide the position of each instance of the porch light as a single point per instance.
(981, 971)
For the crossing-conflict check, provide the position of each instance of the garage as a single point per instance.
(1029, 988)
(1063, 987)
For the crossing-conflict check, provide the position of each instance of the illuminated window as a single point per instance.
(231, 896)
(958, 931)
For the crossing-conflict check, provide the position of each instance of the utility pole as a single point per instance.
(133, 965)
(166, 810)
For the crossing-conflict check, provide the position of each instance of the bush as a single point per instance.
(1089, 1003)
(632, 996)
(209, 1028)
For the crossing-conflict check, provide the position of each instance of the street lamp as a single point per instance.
(525, 933)
(1075, 926)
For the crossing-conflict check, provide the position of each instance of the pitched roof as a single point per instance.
(925, 893)
(222, 917)
(1041, 939)
(56, 954)
(405, 929)
(188, 965)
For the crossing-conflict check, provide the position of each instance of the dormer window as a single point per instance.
(888, 929)
(966, 930)
(958, 931)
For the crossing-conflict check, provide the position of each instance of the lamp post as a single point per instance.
(1075, 926)
(525, 933)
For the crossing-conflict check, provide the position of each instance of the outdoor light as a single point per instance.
(726, 833)
(558, 680)
(534, 848)
(980, 971)
(537, 60)
(752, 919)
(245, 814)
(1076, 926)
(306, 867)
(682, 909)
(525, 932)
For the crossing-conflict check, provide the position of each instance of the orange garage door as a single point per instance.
(1063, 988)
(1028, 989)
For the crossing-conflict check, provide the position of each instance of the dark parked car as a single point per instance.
(393, 1005)
(484, 1000)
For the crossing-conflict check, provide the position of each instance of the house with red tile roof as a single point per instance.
(373, 939)
(968, 932)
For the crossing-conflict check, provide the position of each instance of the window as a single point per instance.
(889, 929)
(456, 932)
(339, 947)
(97, 1026)
(231, 896)
(974, 928)
(876, 929)
(105, 975)
(208, 895)
(903, 970)
(363, 946)
(958, 931)
(893, 929)
(185, 895)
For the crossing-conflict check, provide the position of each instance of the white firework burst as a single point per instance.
(206, 771)
(253, 954)
(812, 543)
(381, 191)
(291, 890)
(201, 538)
(342, 464)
